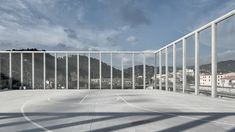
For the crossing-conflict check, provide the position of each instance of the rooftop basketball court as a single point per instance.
(113, 110)
(135, 91)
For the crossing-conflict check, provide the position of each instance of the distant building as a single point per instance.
(205, 79)
(190, 72)
(227, 80)
(223, 80)
(95, 80)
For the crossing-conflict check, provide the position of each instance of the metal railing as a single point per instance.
(168, 66)
(182, 41)
(52, 61)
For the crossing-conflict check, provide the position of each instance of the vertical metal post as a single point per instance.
(174, 67)
(197, 63)
(67, 71)
(155, 71)
(0, 70)
(78, 71)
(55, 71)
(89, 71)
(21, 70)
(122, 73)
(166, 69)
(10, 70)
(144, 72)
(160, 70)
(44, 70)
(184, 65)
(100, 70)
(33, 70)
(213, 61)
(133, 71)
(111, 70)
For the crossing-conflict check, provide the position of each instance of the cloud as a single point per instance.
(226, 55)
(225, 36)
(211, 14)
(225, 33)
(132, 40)
(53, 36)
(133, 15)
(71, 33)
(126, 12)
(51, 25)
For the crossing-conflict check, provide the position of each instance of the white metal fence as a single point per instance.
(180, 72)
(195, 63)
(76, 70)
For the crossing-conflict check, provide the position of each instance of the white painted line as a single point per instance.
(83, 98)
(135, 106)
(29, 120)
(171, 114)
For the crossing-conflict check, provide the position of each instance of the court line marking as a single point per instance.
(130, 104)
(50, 99)
(29, 120)
(83, 98)
(187, 117)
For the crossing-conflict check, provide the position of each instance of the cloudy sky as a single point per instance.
(102, 24)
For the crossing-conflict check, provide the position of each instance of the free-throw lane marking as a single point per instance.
(83, 98)
(29, 120)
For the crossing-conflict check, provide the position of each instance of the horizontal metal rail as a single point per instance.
(83, 52)
(231, 13)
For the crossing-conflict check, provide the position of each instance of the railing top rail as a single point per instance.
(83, 52)
(229, 14)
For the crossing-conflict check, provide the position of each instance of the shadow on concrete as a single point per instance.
(232, 130)
(152, 117)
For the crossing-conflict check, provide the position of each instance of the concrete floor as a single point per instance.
(113, 110)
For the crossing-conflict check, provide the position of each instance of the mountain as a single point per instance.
(222, 67)
(61, 60)
(139, 71)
